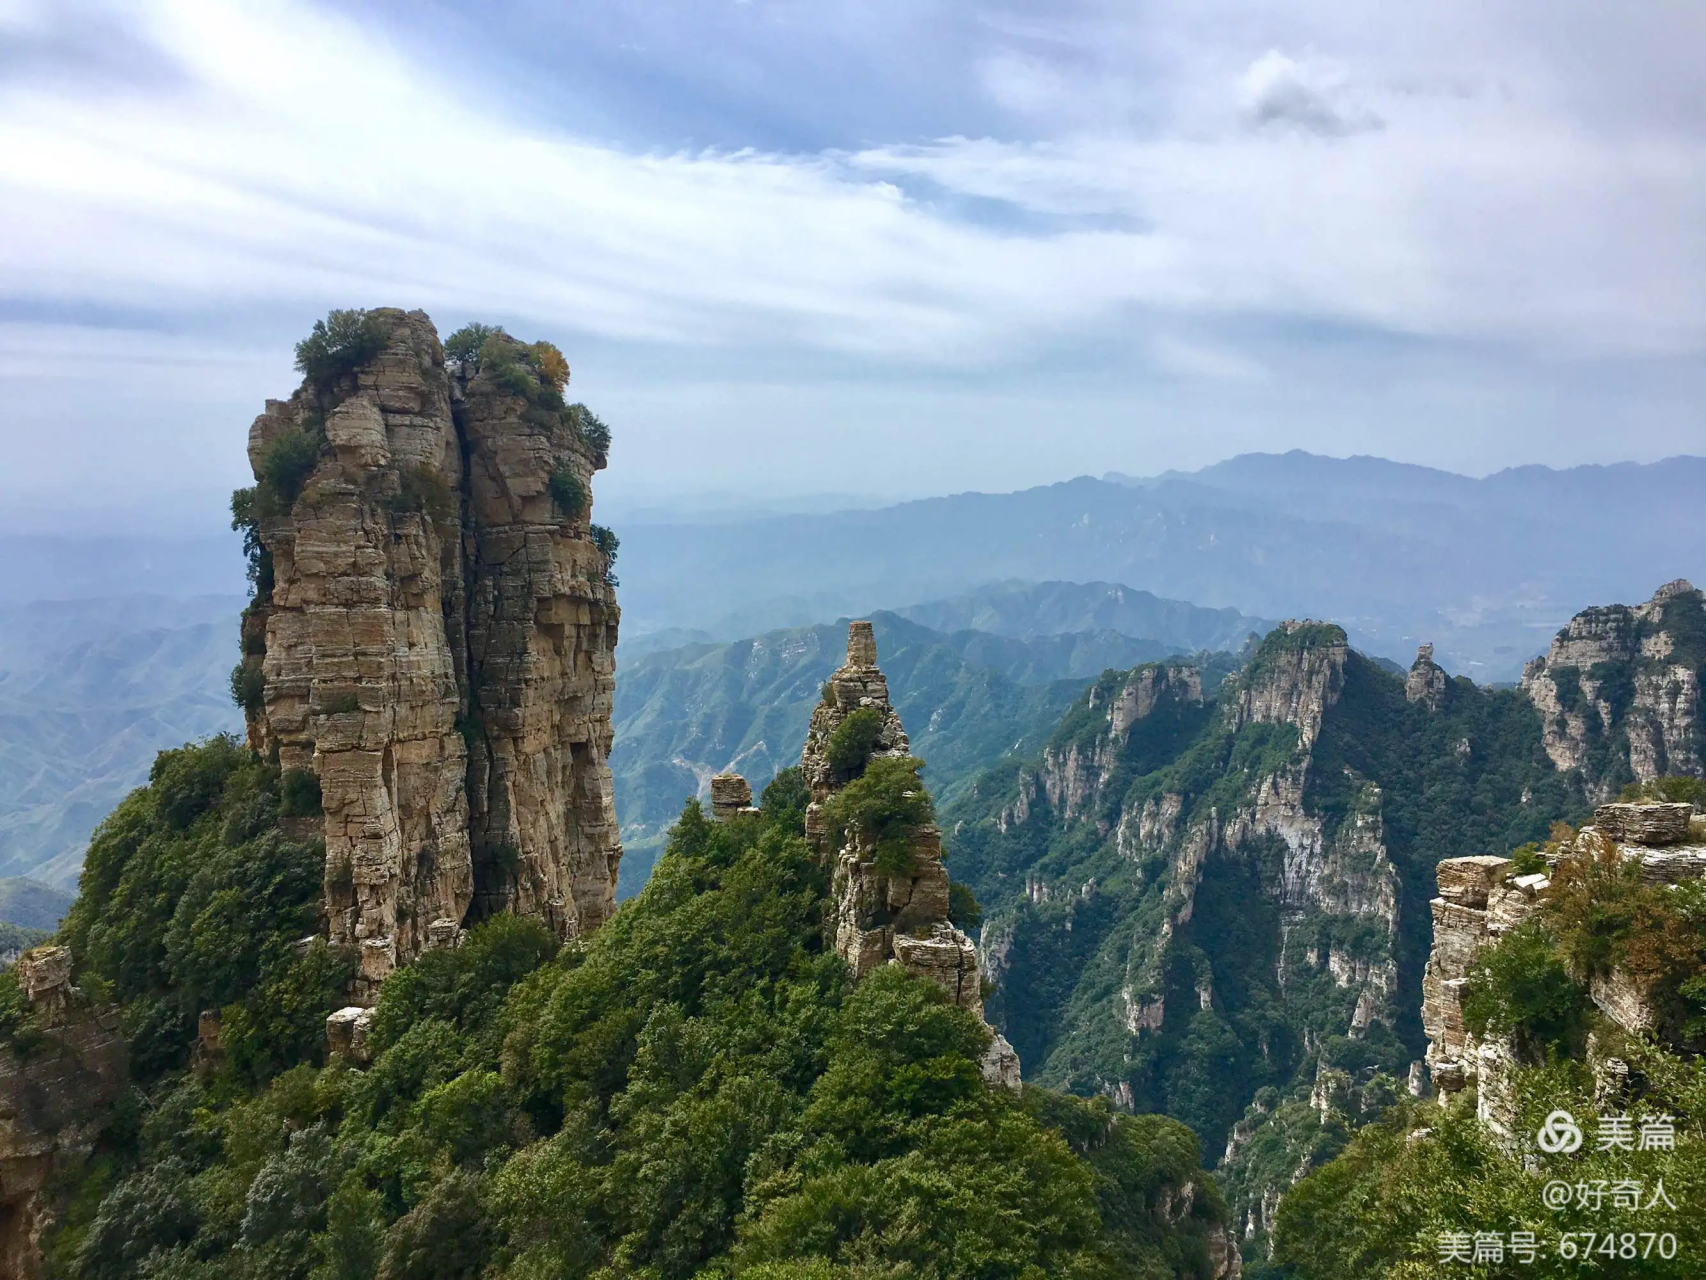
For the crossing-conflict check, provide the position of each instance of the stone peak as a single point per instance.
(861, 645)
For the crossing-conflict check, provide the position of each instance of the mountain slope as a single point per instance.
(1193, 895)
(685, 714)
(1052, 608)
(90, 690)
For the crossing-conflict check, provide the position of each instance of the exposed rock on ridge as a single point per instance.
(438, 649)
(1619, 690)
(53, 1101)
(1480, 901)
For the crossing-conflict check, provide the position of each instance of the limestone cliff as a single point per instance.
(433, 639)
(1481, 900)
(880, 917)
(59, 1075)
(1619, 690)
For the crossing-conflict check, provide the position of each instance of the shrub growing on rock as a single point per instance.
(339, 344)
(886, 805)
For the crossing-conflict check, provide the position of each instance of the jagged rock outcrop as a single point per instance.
(1294, 678)
(881, 918)
(1480, 901)
(1619, 690)
(1426, 681)
(437, 643)
(730, 794)
(58, 1081)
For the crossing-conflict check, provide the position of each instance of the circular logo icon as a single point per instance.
(1560, 1133)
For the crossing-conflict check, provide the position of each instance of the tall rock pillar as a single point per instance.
(432, 640)
(883, 918)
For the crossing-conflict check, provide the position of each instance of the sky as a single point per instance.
(815, 250)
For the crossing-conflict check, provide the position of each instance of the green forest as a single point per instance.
(695, 1091)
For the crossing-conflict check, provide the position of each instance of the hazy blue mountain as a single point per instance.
(90, 690)
(1028, 609)
(1486, 568)
(107, 566)
(30, 904)
(967, 697)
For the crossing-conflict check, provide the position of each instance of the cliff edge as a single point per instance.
(431, 647)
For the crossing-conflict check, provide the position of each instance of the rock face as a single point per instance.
(1480, 901)
(1619, 690)
(53, 1099)
(437, 645)
(1426, 681)
(882, 918)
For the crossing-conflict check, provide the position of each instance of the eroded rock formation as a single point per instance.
(1619, 690)
(58, 1080)
(882, 918)
(437, 643)
(1426, 681)
(1480, 901)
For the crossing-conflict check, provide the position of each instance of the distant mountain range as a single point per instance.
(1486, 569)
(968, 696)
(96, 677)
(89, 691)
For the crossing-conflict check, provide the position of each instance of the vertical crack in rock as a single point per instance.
(437, 645)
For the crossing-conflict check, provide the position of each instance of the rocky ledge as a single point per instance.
(1480, 901)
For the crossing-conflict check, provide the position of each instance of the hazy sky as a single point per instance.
(895, 247)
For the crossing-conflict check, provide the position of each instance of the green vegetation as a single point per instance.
(1676, 790)
(697, 1091)
(248, 685)
(299, 794)
(963, 906)
(1379, 1209)
(850, 746)
(591, 428)
(15, 938)
(886, 805)
(1522, 988)
(1087, 906)
(192, 898)
(608, 544)
(464, 345)
(338, 345)
(568, 495)
(424, 489)
(1598, 916)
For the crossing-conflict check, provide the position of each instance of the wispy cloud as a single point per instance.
(1163, 181)
(306, 157)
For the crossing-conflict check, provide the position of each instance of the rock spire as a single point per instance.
(1426, 681)
(433, 637)
(883, 918)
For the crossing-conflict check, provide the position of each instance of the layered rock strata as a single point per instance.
(437, 644)
(54, 1097)
(1480, 901)
(882, 918)
(1618, 691)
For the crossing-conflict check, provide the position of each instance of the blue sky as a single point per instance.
(882, 248)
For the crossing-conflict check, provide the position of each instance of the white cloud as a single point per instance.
(1189, 182)
(309, 161)
(1311, 95)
